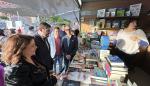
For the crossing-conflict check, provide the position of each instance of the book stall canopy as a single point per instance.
(39, 7)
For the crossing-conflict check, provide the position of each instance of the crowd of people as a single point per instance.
(30, 60)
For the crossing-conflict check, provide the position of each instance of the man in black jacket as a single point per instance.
(69, 46)
(43, 47)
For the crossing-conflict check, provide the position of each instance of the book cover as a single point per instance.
(108, 24)
(95, 44)
(103, 54)
(101, 13)
(116, 24)
(122, 23)
(70, 83)
(95, 82)
(115, 61)
(98, 73)
(135, 9)
(104, 41)
(112, 12)
(101, 23)
(120, 12)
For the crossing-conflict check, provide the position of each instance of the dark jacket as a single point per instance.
(73, 46)
(43, 52)
(27, 74)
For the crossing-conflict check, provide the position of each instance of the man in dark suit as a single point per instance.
(69, 46)
(43, 47)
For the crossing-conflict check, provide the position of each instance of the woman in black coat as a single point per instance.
(21, 68)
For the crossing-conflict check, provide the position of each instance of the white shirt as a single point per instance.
(126, 44)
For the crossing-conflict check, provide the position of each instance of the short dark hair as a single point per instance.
(31, 28)
(76, 32)
(127, 22)
(45, 24)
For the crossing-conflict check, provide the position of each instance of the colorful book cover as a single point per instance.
(115, 61)
(135, 9)
(120, 12)
(98, 73)
(116, 24)
(112, 12)
(104, 42)
(101, 13)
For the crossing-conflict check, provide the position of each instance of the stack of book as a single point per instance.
(98, 76)
(115, 67)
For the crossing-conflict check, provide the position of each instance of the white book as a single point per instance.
(119, 72)
(103, 54)
(119, 68)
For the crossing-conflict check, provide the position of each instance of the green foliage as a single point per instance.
(4, 17)
(59, 20)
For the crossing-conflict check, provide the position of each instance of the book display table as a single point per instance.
(87, 69)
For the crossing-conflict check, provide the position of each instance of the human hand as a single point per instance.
(148, 49)
(68, 57)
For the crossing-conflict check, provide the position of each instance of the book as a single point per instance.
(116, 76)
(101, 13)
(95, 44)
(101, 23)
(119, 68)
(119, 72)
(112, 12)
(104, 41)
(115, 61)
(70, 83)
(122, 23)
(103, 54)
(99, 74)
(135, 9)
(108, 24)
(120, 12)
(116, 24)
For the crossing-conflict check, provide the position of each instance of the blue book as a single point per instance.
(104, 42)
(115, 61)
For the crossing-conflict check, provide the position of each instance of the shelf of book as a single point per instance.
(117, 17)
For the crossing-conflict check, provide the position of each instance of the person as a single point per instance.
(129, 43)
(69, 46)
(62, 32)
(43, 47)
(21, 68)
(1, 75)
(77, 34)
(3, 38)
(56, 50)
(31, 31)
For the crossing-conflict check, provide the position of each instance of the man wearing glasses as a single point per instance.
(43, 47)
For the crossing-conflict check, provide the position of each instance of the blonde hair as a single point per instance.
(13, 48)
